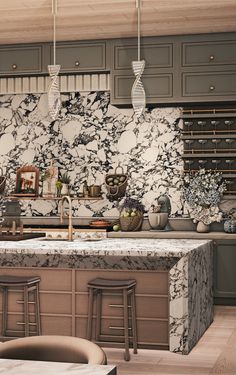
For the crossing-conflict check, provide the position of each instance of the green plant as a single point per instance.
(65, 178)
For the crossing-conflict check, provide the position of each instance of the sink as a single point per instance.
(20, 237)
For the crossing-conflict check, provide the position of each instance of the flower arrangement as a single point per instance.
(131, 216)
(203, 191)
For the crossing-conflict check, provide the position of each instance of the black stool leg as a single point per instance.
(90, 314)
(26, 310)
(98, 314)
(4, 310)
(37, 310)
(134, 320)
(126, 324)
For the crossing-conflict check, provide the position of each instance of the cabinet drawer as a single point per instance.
(209, 84)
(209, 53)
(155, 85)
(81, 57)
(155, 56)
(20, 60)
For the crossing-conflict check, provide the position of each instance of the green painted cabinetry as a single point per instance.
(225, 272)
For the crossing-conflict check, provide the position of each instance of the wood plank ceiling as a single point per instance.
(24, 21)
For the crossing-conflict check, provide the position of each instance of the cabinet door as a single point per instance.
(156, 86)
(15, 60)
(224, 271)
(81, 57)
(155, 56)
(217, 84)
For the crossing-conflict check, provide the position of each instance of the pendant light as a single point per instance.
(138, 94)
(54, 100)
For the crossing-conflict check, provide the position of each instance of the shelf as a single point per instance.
(54, 198)
(209, 155)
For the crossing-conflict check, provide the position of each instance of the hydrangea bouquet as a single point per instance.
(203, 192)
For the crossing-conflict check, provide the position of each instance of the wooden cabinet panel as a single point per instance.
(209, 84)
(156, 86)
(155, 56)
(56, 325)
(224, 269)
(81, 57)
(146, 306)
(209, 53)
(25, 59)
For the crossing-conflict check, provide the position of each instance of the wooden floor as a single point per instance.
(215, 353)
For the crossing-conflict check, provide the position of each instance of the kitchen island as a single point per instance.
(174, 285)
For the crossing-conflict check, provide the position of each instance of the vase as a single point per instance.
(65, 189)
(202, 227)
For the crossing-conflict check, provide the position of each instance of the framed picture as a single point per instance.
(27, 181)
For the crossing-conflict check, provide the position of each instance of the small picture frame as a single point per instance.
(27, 181)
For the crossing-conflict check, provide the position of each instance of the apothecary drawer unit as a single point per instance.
(81, 57)
(209, 53)
(18, 60)
(209, 137)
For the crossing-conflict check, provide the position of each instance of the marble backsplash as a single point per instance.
(89, 139)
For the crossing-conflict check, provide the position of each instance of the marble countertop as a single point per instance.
(174, 234)
(108, 247)
(20, 367)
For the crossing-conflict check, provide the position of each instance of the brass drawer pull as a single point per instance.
(212, 88)
(117, 328)
(212, 57)
(77, 63)
(14, 66)
(111, 305)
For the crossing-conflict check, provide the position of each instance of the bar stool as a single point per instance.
(28, 286)
(127, 287)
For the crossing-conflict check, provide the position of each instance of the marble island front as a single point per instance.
(175, 276)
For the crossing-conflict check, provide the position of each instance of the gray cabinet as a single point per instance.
(224, 272)
(158, 74)
(81, 57)
(21, 59)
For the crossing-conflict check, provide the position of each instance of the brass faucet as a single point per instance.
(70, 227)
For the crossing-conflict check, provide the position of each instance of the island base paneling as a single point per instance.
(64, 301)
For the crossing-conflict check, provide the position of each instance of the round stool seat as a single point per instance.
(19, 280)
(108, 283)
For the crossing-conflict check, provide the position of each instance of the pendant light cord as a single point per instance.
(54, 13)
(138, 7)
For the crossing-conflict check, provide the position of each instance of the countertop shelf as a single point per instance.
(53, 198)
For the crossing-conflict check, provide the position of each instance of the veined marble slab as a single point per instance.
(189, 262)
(20, 367)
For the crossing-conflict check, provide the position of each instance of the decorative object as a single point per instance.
(138, 94)
(2, 181)
(230, 221)
(27, 181)
(49, 178)
(65, 180)
(54, 101)
(202, 227)
(164, 203)
(94, 190)
(116, 184)
(203, 191)
(131, 216)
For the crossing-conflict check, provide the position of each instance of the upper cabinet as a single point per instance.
(21, 59)
(157, 78)
(76, 57)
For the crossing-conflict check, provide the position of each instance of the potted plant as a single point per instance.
(203, 192)
(65, 180)
(131, 215)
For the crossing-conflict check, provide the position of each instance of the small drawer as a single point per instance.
(20, 60)
(209, 53)
(209, 84)
(155, 56)
(81, 57)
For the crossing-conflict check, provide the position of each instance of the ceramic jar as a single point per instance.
(202, 227)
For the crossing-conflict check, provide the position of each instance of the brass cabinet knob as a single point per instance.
(212, 88)
(77, 63)
(212, 57)
(14, 66)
